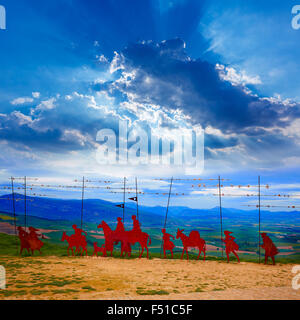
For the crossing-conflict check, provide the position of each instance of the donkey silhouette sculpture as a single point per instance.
(74, 241)
(191, 241)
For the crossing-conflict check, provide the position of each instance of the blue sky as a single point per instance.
(71, 67)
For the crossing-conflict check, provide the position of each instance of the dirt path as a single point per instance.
(108, 278)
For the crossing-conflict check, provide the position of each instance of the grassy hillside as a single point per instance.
(10, 247)
(55, 216)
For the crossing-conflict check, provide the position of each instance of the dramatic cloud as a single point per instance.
(162, 74)
(213, 96)
(156, 85)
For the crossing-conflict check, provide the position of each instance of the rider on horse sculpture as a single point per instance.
(120, 225)
(136, 225)
(79, 233)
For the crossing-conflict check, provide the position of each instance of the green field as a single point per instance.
(283, 228)
(10, 247)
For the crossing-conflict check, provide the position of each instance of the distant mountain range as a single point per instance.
(96, 210)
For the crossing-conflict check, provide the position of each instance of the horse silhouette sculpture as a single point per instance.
(230, 245)
(191, 241)
(127, 238)
(168, 244)
(108, 235)
(269, 247)
(99, 249)
(76, 240)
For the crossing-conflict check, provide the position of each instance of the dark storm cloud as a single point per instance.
(166, 76)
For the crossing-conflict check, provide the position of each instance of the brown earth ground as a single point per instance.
(111, 278)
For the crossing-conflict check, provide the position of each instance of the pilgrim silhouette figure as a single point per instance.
(269, 247)
(230, 245)
(167, 243)
(121, 234)
(79, 233)
(77, 240)
(136, 225)
(120, 226)
(23, 236)
(34, 241)
(30, 240)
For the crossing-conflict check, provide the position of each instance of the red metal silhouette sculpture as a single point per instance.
(192, 241)
(77, 240)
(34, 241)
(125, 249)
(127, 238)
(120, 225)
(30, 240)
(81, 238)
(119, 232)
(230, 245)
(99, 249)
(72, 241)
(23, 236)
(136, 224)
(269, 247)
(168, 244)
(108, 235)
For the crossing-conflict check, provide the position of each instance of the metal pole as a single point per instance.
(137, 199)
(14, 210)
(82, 198)
(221, 218)
(137, 203)
(259, 219)
(25, 205)
(166, 217)
(124, 200)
